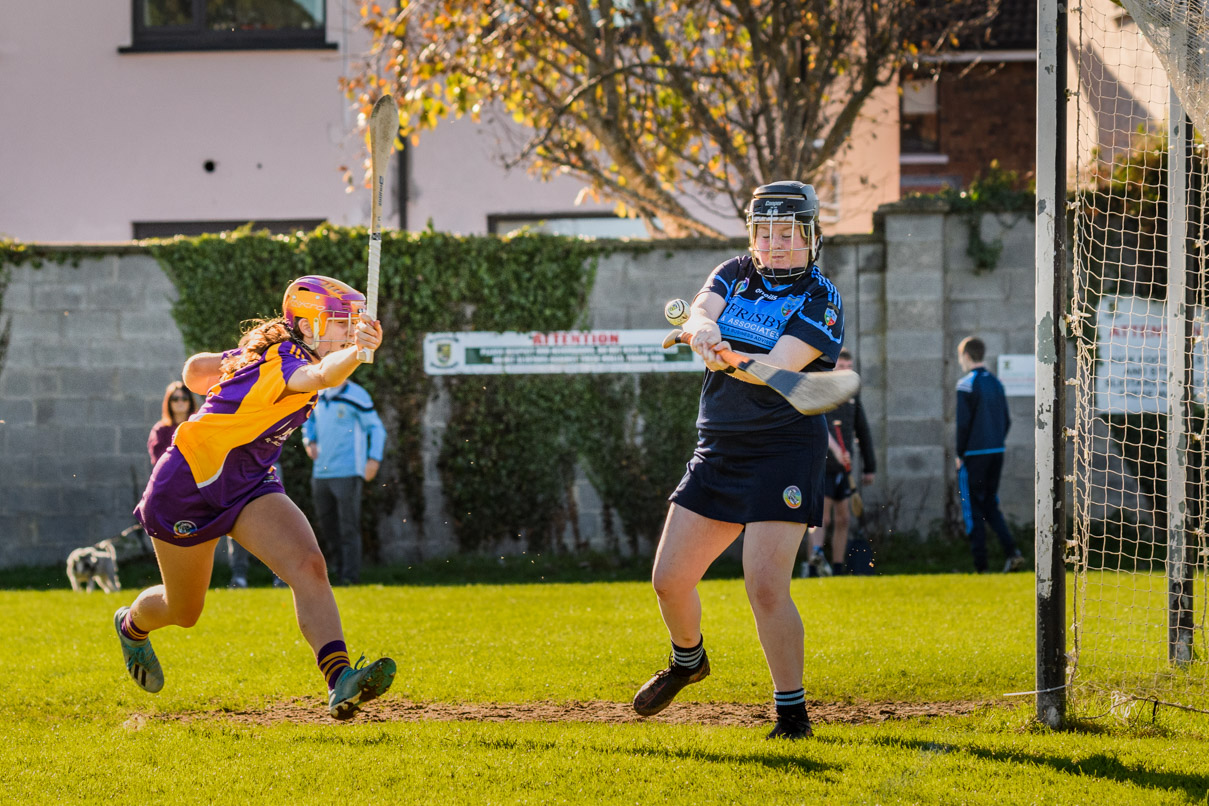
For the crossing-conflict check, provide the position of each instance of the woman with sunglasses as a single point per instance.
(179, 405)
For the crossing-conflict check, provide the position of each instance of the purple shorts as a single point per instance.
(174, 509)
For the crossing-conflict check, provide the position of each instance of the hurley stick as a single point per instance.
(383, 126)
(808, 392)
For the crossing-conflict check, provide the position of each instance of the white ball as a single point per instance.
(676, 311)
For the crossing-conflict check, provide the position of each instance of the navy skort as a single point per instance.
(753, 477)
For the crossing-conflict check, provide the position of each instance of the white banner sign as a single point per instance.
(556, 352)
(1131, 356)
(1017, 373)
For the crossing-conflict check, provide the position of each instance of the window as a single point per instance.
(168, 229)
(919, 118)
(228, 25)
(590, 225)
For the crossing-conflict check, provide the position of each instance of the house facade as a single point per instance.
(147, 118)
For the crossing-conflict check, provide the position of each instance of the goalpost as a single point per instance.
(1131, 459)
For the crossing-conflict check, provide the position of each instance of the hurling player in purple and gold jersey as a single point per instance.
(758, 465)
(217, 478)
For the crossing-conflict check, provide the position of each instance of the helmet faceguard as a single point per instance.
(793, 203)
(319, 300)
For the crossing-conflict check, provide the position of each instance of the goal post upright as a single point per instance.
(1050, 362)
(1179, 571)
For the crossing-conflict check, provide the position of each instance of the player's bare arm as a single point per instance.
(788, 353)
(202, 371)
(335, 367)
(702, 327)
(702, 324)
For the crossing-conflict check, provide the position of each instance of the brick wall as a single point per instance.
(986, 113)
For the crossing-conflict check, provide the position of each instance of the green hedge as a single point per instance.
(507, 462)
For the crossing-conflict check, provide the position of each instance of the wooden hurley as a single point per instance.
(383, 127)
(808, 392)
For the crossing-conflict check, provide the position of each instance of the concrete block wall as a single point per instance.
(92, 347)
(933, 297)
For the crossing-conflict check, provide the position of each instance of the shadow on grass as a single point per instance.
(781, 755)
(1096, 765)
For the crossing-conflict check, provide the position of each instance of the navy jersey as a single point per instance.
(756, 315)
(982, 414)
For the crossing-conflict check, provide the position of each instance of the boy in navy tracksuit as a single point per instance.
(982, 426)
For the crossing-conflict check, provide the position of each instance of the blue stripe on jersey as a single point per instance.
(833, 297)
(988, 450)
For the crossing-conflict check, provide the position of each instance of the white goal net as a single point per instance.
(1137, 324)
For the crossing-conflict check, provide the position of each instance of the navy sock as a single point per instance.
(790, 703)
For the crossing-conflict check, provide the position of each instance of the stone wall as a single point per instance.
(93, 345)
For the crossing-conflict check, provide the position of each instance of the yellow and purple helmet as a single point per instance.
(318, 300)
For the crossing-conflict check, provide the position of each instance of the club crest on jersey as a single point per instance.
(792, 496)
(831, 316)
(787, 308)
(184, 528)
(741, 287)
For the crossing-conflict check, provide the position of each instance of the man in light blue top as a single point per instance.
(345, 438)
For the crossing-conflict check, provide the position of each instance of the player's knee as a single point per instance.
(766, 595)
(305, 569)
(669, 584)
(187, 614)
(311, 566)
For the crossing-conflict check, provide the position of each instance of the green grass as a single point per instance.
(73, 733)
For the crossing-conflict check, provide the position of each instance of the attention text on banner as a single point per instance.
(555, 352)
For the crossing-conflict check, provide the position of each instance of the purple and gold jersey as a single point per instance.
(237, 435)
(222, 457)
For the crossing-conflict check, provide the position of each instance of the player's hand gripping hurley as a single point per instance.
(808, 392)
(383, 127)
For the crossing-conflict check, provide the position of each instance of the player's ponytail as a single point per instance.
(263, 334)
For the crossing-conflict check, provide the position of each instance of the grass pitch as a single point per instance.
(240, 718)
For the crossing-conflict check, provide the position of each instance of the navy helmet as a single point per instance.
(785, 202)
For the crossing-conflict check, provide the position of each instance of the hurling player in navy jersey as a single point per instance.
(758, 465)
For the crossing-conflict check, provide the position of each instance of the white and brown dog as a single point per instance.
(94, 566)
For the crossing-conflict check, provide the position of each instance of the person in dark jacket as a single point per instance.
(982, 427)
(847, 426)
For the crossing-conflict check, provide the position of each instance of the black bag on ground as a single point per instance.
(858, 558)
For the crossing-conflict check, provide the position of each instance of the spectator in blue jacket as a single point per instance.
(345, 438)
(982, 427)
